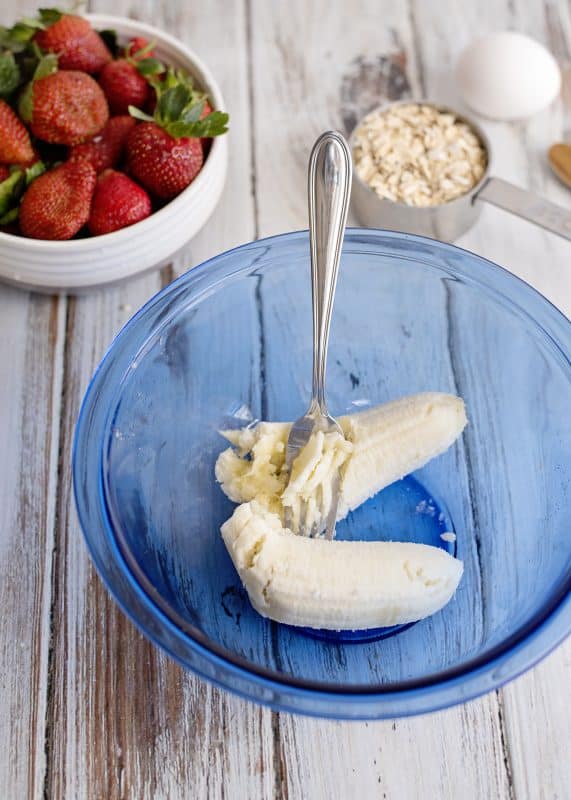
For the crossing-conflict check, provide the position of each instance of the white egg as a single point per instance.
(507, 76)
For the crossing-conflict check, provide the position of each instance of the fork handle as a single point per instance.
(330, 172)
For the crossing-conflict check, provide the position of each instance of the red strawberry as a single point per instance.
(56, 205)
(15, 144)
(107, 148)
(4, 173)
(117, 202)
(67, 107)
(77, 45)
(123, 86)
(165, 153)
(164, 165)
(136, 44)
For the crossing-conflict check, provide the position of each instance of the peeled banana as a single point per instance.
(338, 585)
(333, 584)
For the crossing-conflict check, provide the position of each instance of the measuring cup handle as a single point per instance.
(527, 205)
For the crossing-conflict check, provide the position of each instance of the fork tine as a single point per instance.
(318, 523)
(332, 515)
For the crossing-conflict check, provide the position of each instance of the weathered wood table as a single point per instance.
(88, 708)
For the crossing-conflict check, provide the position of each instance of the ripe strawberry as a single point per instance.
(135, 45)
(66, 107)
(107, 148)
(56, 205)
(77, 45)
(123, 85)
(15, 144)
(4, 173)
(165, 152)
(163, 164)
(117, 202)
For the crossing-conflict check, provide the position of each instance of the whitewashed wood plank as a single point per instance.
(172, 735)
(31, 331)
(303, 67)
(537, 731)
(536, 712)
(251, 757)
(26, 632)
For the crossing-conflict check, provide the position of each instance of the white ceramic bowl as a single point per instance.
(80, 264)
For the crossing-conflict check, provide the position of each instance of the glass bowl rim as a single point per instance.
(504, 661)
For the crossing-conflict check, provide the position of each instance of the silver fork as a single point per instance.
(329, 185)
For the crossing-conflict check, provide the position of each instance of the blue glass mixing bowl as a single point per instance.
(229, 342)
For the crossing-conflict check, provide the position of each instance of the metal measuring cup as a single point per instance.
(450, 220)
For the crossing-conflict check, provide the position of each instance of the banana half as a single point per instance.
(339, 585)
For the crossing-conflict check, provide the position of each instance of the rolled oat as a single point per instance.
(418, 155)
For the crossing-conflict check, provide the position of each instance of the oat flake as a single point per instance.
(418, 155)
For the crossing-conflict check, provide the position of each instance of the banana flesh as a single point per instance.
(338, 585)
(335, 585)
(383, 444)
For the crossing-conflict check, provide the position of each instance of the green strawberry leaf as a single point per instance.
(26, 103)
(192, 112)
(150, 66)
(172, 102)
(177, 130)
(47, 65)
(10, 216)
(49, 15)
(30, 22)
(180, 106)
(109, 36)
(9, 74)
(214, 124)
(17, 37)
(8, 43)
(10, 190)
(138, 114)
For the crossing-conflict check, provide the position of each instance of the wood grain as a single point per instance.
(30, 389)
(144, 728)
(31, 344)
(90, 708)
(530, 708)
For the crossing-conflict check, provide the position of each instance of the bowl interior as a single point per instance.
(232, 342)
